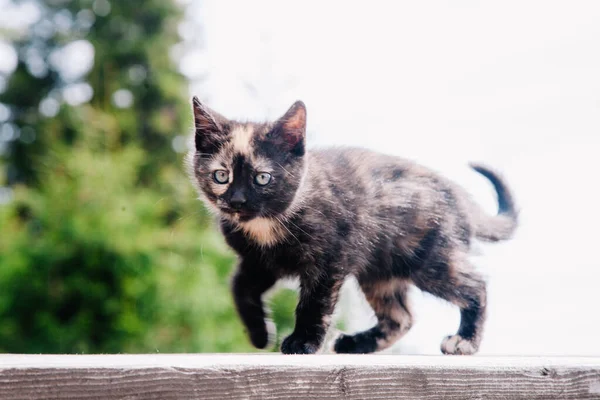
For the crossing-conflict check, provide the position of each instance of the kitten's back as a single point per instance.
(383, 185)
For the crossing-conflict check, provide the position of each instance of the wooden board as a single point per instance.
(270, 376)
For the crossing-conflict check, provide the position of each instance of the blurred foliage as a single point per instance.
(104, 246)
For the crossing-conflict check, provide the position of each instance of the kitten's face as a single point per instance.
(248, 170)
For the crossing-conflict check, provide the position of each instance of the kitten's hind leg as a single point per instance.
(388, 300)
(457, 282)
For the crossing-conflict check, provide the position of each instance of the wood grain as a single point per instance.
(265, 376)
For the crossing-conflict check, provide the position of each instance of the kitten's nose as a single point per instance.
(238, 199)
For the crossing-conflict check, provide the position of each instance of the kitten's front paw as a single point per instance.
(261, 338)
(295, 344)
(458, 345)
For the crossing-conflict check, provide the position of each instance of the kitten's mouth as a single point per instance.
(245, 216)
(242, 215)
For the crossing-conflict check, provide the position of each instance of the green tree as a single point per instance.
(104, 247)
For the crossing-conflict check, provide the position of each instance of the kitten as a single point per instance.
(326, 214)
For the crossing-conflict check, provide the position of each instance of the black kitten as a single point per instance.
(326, 214)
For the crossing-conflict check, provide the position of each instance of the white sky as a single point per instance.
(515, 84)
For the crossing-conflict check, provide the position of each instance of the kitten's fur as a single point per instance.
(330, 213)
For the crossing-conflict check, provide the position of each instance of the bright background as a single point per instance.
(513, 84)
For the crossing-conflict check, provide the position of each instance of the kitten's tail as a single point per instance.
(502, 225)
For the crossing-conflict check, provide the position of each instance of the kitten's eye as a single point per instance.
(262, 178)
(221, 176)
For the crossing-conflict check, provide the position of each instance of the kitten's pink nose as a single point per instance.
(238, 199)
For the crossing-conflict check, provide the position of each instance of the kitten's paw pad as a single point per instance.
(298, 345)
(458, 345)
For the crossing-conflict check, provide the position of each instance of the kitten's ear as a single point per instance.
(290, 130)
(210, 127)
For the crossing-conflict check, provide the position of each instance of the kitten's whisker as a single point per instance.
(286, 228)
(288, 172)
(301, 230)
(186, 216)
(312, 209)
